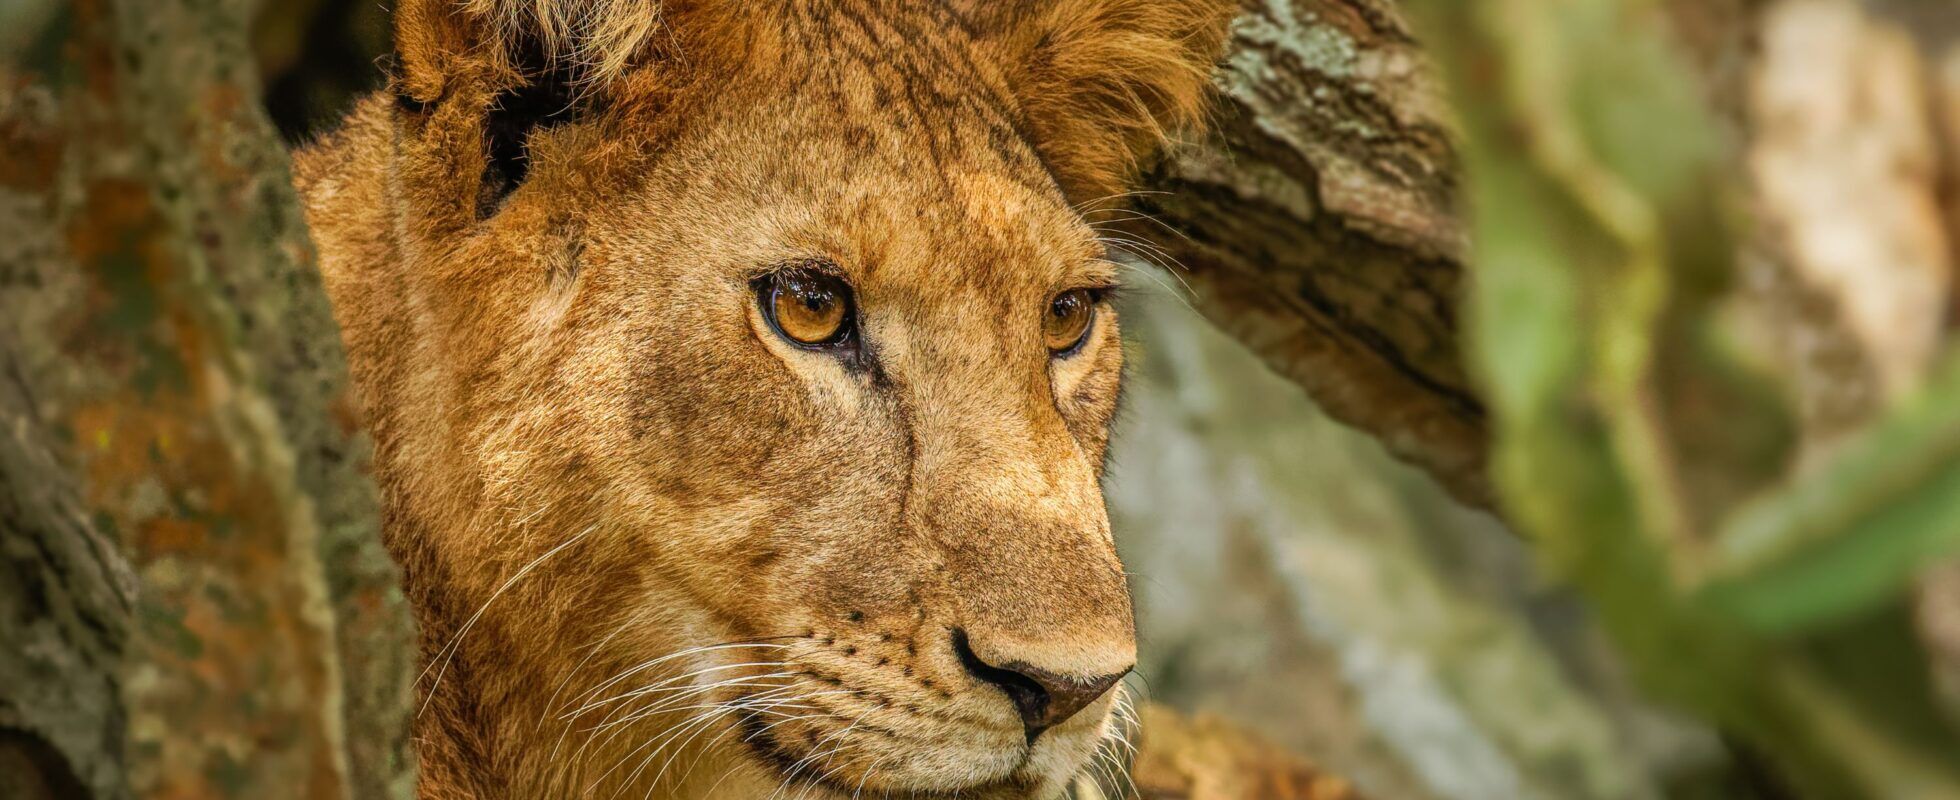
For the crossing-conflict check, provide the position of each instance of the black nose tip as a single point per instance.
(1044, 699)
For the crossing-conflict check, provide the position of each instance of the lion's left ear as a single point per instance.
(1104, 82)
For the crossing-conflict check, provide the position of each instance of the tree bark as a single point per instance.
(1317, 223)
(66, 594)
(176, 412)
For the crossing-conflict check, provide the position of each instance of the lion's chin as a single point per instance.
(791, 771)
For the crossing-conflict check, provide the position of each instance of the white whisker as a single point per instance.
(449, 650)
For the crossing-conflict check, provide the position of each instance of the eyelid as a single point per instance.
(809, 265)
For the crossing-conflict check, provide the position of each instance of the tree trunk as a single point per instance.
(177, 421)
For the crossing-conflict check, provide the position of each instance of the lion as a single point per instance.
(741, 376)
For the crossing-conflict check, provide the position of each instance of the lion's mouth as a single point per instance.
(794, 770)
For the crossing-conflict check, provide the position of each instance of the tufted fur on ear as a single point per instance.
(599, 39)
(517, 67)
(1104, 83)
(588, 44)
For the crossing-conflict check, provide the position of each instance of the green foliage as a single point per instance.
(1848, 536)
(1600, 228)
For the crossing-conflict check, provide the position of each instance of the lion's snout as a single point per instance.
(1044, 698)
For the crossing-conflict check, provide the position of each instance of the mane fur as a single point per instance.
(1103, 83)
(599, 39)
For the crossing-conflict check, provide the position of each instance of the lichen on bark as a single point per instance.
(1316, 222)
(162, 316)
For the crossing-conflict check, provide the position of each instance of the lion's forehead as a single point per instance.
(896, 220)
(887, 141)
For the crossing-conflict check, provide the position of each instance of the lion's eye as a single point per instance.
(1067, 323)
(808, 308)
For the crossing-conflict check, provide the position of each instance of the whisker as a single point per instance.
(815, 750)
(666, 708)
(1135, 215)
(1083, 207)
(449, 650)
(649, 664)
(665, 684)
(868, 771)
(685, 692)
(574, 671)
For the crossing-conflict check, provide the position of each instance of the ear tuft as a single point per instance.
(1105, 82)
(588, 44)
(598, 40)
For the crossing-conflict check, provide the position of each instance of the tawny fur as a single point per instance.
(595, 454)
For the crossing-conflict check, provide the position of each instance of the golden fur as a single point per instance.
(629, 516)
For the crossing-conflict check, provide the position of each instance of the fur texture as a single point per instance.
(1104, 83)
(654, 547)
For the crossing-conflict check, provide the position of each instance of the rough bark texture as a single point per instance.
(176, 393)
(65, 599)
(1317, 224)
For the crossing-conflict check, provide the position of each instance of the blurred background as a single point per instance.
(1293, 578)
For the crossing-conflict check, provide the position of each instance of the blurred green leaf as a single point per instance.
(1597, 200)
(1849, 535)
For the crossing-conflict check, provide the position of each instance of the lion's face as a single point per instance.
(856, 413)
(754, 414)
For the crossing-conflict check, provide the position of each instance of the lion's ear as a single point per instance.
(1104, 82)
(511, 68)
(576, 42)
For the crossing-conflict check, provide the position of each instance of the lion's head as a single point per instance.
(742, 376)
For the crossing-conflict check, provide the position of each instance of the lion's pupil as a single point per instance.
(808, 310)
(1068, 320)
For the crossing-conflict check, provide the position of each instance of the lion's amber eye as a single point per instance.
(1067, 321)
(808, 308)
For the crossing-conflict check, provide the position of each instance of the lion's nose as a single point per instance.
(1043, 698)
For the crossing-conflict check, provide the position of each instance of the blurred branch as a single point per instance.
(1853, 532)
(1597, 189)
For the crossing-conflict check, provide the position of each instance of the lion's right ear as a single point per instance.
(502, 70)
(585, 43)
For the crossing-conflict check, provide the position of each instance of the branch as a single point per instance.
(1316, 223)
